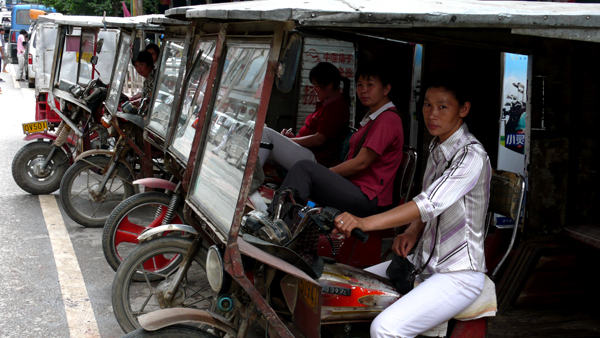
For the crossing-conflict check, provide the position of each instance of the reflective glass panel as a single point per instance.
(170, 66)
(84, 56)
(219, 177)
(193, 95)
(119, 73)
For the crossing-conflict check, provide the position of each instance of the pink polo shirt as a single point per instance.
(386, 138)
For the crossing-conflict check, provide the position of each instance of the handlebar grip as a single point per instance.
(360, 235)
(266, 145)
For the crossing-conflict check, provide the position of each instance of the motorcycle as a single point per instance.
(152, 208)
(100, 179)
(72, 108)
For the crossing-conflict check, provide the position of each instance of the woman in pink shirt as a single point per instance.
(363, 183)
(21, 46)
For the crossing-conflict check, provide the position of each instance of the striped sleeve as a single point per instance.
(453, 184)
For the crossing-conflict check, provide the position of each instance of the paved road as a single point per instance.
(54, 280)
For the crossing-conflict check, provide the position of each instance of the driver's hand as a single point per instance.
(403, 243)
(345, 222)
(135, 103)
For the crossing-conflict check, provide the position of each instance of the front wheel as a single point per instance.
(158, 261)
(175, 331)
(81, 196)
(27, 172)
(130, 218)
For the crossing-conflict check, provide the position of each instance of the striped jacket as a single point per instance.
(456, 187)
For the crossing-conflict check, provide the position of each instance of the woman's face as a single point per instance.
(371, 92)
(323, 93)
(443, 113)
(154, 54)
(142, 68)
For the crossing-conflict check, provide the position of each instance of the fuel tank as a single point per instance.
(350, 293)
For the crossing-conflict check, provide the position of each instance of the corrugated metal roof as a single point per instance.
(414, 13)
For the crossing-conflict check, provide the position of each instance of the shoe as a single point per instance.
(2, 80)
(21, 80)
(5, 71)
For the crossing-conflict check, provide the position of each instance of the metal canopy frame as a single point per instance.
(555, 20)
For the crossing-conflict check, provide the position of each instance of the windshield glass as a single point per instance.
(88, 41)
(119, 74)
(193, 95)
(219, 177)
(167, 81)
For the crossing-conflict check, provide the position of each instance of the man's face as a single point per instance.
(443, 113)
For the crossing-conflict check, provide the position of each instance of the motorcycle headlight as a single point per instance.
(215, 269)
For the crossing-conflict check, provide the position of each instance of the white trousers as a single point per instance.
(21, 70)
(285, 151)
(439, 298)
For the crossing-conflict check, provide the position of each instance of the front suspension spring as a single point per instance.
(63, 135)
(171, 211)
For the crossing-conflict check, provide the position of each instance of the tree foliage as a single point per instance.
(96, 7)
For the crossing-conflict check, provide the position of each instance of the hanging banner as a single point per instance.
(513, 117)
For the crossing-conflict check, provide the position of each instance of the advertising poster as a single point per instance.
(513, 118)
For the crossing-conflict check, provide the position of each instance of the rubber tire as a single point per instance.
(29, 151)
(31, 84)
(73, 172)
(174, 331)
(123, 209)
(127, 269)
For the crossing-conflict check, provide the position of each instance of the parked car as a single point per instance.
(31, 55)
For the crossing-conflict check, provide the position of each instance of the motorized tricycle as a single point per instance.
(542, 281)
(74, 60)
(153, 208)
(101, 179)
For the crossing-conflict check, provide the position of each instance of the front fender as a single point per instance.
(157, 232)
(103, 152)
(46, 136)
(157, 320)
(156, 183)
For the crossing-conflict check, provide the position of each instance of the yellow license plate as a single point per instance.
(309, 293)
(35, 127)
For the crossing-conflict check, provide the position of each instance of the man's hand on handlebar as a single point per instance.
(345, 222)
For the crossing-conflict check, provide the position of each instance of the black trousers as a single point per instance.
(328, 189)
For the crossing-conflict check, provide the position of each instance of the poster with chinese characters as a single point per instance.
(512, 149)
(315, 50)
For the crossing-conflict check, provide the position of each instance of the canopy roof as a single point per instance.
(99, 21)
(397, 14)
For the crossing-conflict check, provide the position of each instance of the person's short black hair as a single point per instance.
(154, 47)
(144, 57)
(22, 31)
(325, 73)
(452, 82)
(374, 69)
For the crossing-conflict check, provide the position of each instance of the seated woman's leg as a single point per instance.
(436, 300)
(285, 151)
(327, 188)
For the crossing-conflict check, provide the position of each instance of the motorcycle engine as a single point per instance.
(259, 224)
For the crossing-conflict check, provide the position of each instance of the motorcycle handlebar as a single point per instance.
(331, 213)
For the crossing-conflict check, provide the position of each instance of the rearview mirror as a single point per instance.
(289, 62)
(99, 45)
